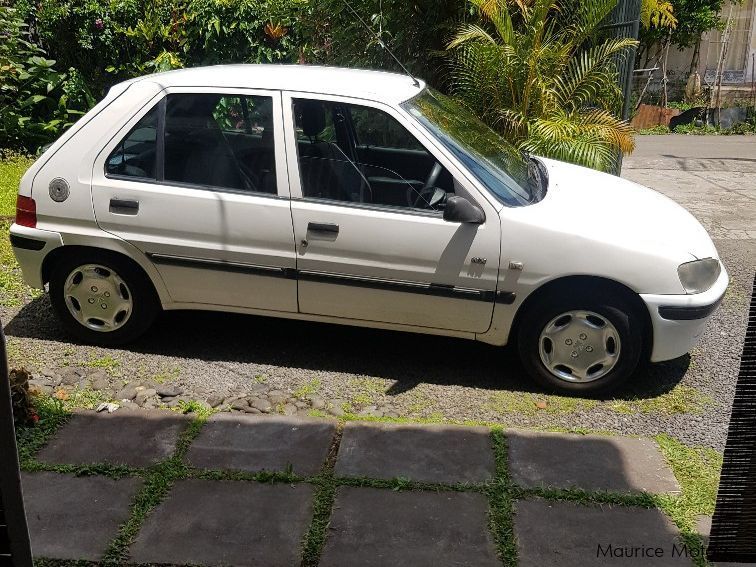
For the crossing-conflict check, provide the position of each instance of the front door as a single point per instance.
(198, 183)
(371, 241)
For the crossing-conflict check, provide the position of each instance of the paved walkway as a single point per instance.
(159, 487)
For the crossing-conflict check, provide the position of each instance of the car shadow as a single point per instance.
(406, 358)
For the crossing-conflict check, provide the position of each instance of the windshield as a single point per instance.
(494, 161)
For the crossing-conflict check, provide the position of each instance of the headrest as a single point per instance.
(313, 117)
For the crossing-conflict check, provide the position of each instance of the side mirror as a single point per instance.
(459, 209)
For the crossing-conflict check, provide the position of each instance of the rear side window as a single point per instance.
(220, 141)
(135, 155)
(209, 140)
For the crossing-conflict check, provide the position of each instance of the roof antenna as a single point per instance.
(380, 42)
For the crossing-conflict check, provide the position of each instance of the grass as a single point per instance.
(501, 502)
(707, 129)
(166, 375)
(506, 402)
(80, 399)
(12, 167)
(13, 289)
(325, 494)
(679, 400)
(697, 470)
(306, 390)
(107, 363)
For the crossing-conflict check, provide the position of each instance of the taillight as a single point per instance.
(26, 211)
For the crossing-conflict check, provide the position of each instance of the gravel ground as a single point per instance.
(259, 365)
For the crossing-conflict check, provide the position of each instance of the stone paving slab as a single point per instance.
(373, 527)
(566, 533)
(590, 462)
(133, 438)
(252, 443)
(75, 517)
(430, 453)
(227, 523)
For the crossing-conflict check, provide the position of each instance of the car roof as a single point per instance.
(358, 83)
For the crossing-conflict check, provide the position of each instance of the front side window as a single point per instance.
(362, 155)
(209, 140)
(135, 155)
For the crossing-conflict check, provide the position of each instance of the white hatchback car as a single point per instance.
(360, 198)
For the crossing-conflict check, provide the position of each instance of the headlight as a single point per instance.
(699, 275)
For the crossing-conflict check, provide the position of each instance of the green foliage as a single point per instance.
(694, 18)
(415, 31)
(657, 14)
(13, 289)
(538, 73)
(12, 168)
(109, 41)
(37, 102)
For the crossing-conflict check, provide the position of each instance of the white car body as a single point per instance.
(386, 268)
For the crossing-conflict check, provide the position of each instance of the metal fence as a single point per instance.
(624, 22)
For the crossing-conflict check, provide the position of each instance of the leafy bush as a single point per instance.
(416, 31)
(538, 73)
(109, 41)
(37, 102)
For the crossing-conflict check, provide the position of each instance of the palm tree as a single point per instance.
(535, 71)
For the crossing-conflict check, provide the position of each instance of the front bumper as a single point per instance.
(30, 246)
(679, 321)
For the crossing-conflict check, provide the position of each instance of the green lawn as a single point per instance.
(11, 170)
(13, 290)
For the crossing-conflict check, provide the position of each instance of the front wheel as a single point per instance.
(581, 344)
(102, 298)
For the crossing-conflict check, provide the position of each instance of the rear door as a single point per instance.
(197, 182)
(369, 245)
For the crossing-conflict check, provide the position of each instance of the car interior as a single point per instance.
(214, 140)
(210, 140)
(339, 160)
(346, 152)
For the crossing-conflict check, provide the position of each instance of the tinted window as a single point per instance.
(220, 141)
(135, 154)
(363, 155)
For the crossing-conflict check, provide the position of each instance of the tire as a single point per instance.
(567, 327)
(82, 283)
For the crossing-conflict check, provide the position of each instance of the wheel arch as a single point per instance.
(568, 284)
(48, 264)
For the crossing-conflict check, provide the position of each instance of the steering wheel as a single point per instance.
(426, 197)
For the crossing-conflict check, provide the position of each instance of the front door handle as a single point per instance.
(323, 228)
(124, 207)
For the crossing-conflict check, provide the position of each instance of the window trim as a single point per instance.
(279, 150)
(372, 207)
(196, 186)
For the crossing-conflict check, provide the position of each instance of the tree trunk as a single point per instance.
(696, 57)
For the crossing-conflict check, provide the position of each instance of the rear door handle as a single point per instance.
(323, 228)
(124, 207)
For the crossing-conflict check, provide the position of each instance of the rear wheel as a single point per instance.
(102, 298)
(586, 343)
